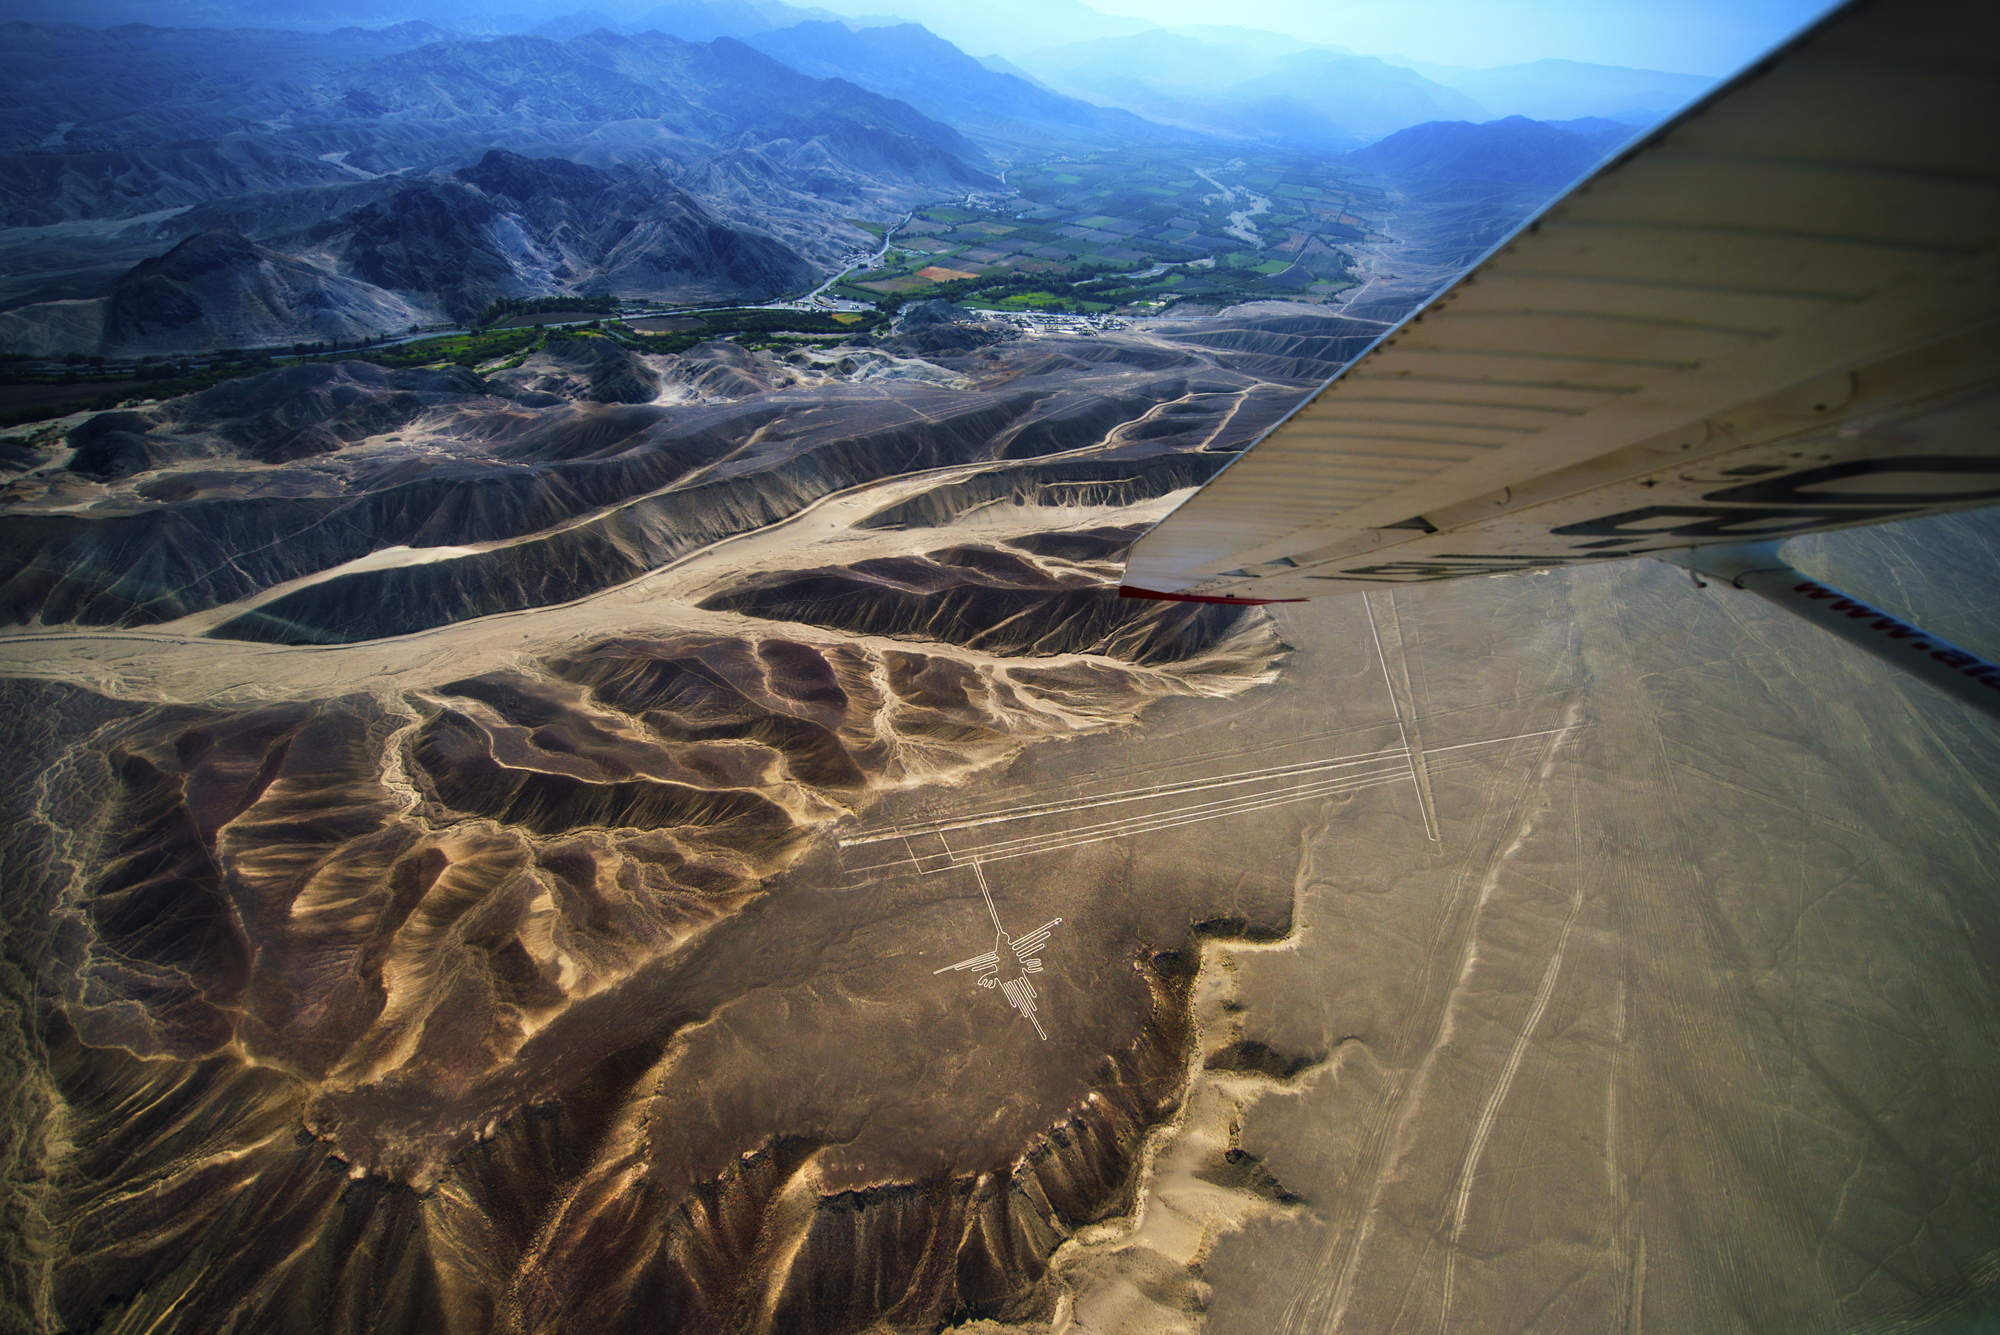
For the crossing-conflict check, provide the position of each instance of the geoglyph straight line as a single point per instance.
(1150, 791)
(1239, 804)
(1165, 820)
(1190, 815)
(1220, 806)
(977, 820)
(1414, 752)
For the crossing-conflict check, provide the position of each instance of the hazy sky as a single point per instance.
(1688, 36)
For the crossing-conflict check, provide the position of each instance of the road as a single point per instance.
(817, 297)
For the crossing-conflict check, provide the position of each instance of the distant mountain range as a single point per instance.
(96, 129)
(1009, 30)
(1000, 110)
(1466, 186)
(1567, 89)
(1250, 87)
(689, 170)
(1514, 153)
(1271, 88)
(761, 145)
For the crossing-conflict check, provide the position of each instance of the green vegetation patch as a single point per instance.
(467, 350)
(898, 286)
(512, 308)
(753, 325)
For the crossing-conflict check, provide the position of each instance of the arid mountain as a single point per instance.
(515, 226)
(716, 173)
(576, 497)
(213, 290)
(110, 138)
(435, 247)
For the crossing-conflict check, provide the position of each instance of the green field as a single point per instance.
(1156, 213)
(753, 328)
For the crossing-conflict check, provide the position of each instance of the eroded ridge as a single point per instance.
(431, 967)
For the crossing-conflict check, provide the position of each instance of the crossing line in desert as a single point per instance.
(1408, 724)
(1304, 781)
(1142, 793)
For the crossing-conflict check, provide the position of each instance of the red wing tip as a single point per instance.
(1134, 591)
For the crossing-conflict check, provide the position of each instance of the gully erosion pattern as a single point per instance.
(515, 1000)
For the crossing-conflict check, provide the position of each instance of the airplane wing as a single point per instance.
(1779, 314)
(990, 960)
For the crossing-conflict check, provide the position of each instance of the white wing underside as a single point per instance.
(1776, 315)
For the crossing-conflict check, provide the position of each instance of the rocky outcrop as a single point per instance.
(516, 226)
(286, 415)
(984, 599)
(591, 370)
(476, 972)
(214, 290)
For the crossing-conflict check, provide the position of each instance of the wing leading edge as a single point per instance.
(1774, 316)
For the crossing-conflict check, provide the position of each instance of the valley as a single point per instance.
(1138, 232)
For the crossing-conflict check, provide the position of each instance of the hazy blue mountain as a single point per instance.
(1567, 89)
(575, 25)
(701, 90)
(1002, 65)
(909, 62)
(1514, 152)
(1251, 84)
(471, 17)
(77, 89)
(1260, 40)
(706, 20)
(982, 29)
(94, 131)
(1359, 94)
(1602, 132)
